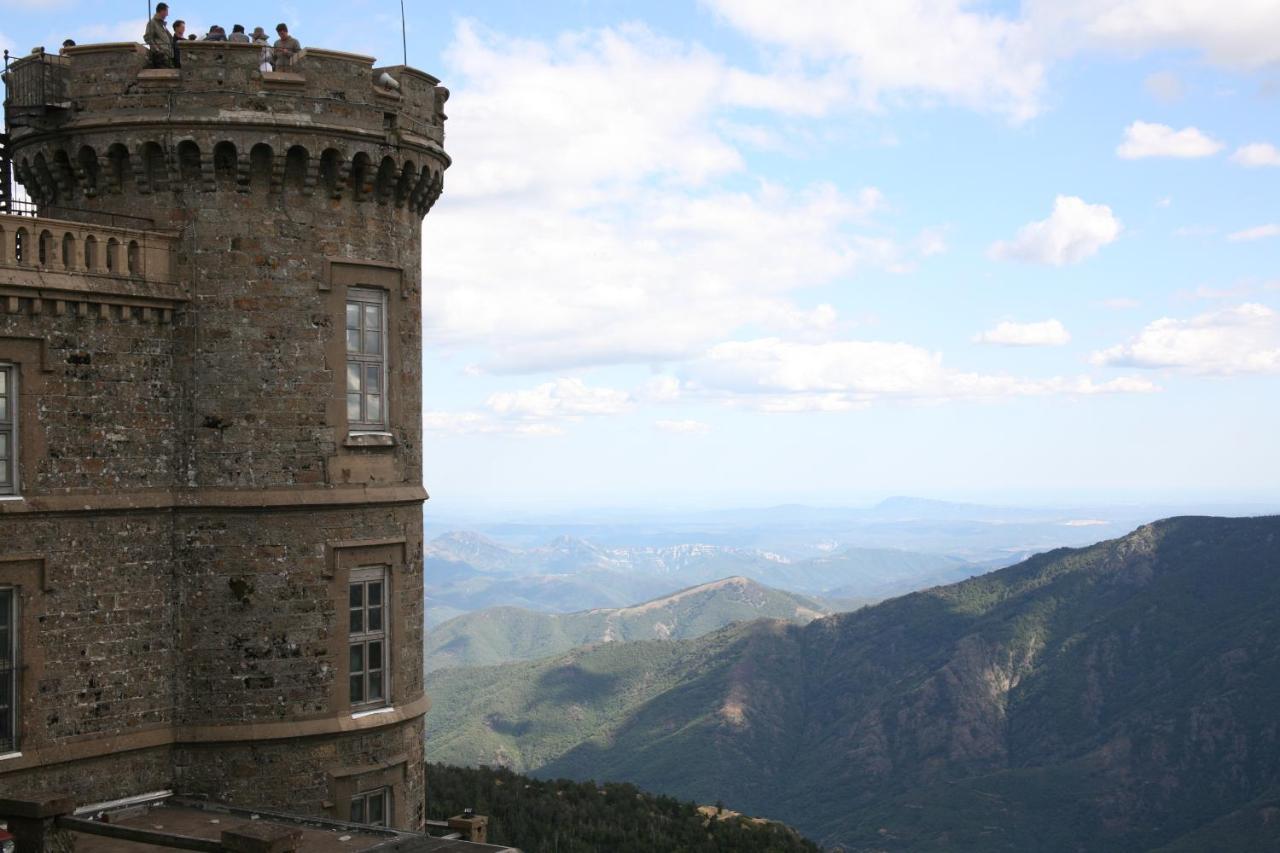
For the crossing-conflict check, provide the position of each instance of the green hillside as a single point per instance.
(1118, 697)
(502, 634)
(562, 816)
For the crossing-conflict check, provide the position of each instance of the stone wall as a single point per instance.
(197, 500)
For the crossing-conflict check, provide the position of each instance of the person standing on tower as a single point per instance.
(179, 33)
(287, 48)
(158, 38)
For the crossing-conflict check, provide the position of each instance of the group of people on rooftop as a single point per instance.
(166, 47)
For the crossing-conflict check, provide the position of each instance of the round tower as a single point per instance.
(286, 208)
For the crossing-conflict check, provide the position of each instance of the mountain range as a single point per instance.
(466, 571)
(501, 634)
(1112, 698)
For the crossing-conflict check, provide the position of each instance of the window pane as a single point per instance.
(353, 315)
(377, 808)
(353, 377)
(375, 618)
(357, 621)
(373, 317)
(357, 657)
(373, 408)
(4, 407)
(4, 471)
(353, 340)
(375, 685)
(4, 381)
(375, 593)
(373, 378)
(353, 407)
(4, 445)
(356, 596)
(373, 342)
(375, 655)
(357, 810)
(357, 688)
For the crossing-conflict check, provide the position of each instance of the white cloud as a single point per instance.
(1146, 139)
(1257, 154)
(1244, 34)
(924, 48)
(1258, 232)
(618, 241)
(543, 410)
(1245, 339)
(1073, 232)
(1048, 333)
(683, 427)
(565, 398)
(781, 376)
(1164, 86)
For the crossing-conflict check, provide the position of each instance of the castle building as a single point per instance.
(210, 429)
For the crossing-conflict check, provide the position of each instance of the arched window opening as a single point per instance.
(91, 253)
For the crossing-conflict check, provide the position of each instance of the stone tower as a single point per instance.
(210, 422)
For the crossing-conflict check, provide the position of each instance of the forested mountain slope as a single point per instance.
(502, 634)
(1117, 697)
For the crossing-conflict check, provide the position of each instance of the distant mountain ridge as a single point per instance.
(466, 571)
(502, 634)
(1113, 698)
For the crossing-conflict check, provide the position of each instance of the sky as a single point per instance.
(743, 253)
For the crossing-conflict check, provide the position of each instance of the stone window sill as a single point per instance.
(10, 755)
(360, 714)
(370, 439)
(11, 498)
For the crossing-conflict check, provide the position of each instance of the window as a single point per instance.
(8, 670)
(366, 359)
(368, 637)
(372, 807)
(8, 430)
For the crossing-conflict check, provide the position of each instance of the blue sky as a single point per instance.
(736, 252)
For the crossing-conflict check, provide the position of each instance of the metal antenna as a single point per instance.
(404, 39)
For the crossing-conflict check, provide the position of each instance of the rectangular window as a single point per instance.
(8, 670)
(366, 359)
(372, 808)
(367, 630)
(8, 430)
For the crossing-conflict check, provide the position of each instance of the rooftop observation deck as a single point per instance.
(111, 86)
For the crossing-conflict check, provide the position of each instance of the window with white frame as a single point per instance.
(8, 429)
(8, 669)
(372, 808)
(367, 637)
(366, 359)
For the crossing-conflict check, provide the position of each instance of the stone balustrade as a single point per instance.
(54, 245)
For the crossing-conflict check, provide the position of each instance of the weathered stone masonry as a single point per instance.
(192, 500)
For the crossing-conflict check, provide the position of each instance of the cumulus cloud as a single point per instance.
(683, 427)
(1257, 154)
(773, 375)
(923, 48)
(542, 410)
(1242, 35)
(1258, 232)
(620, 242)
(1146, 139)
(1244, 339)
(566, 398)
(1073, 232)
(1048, 333)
